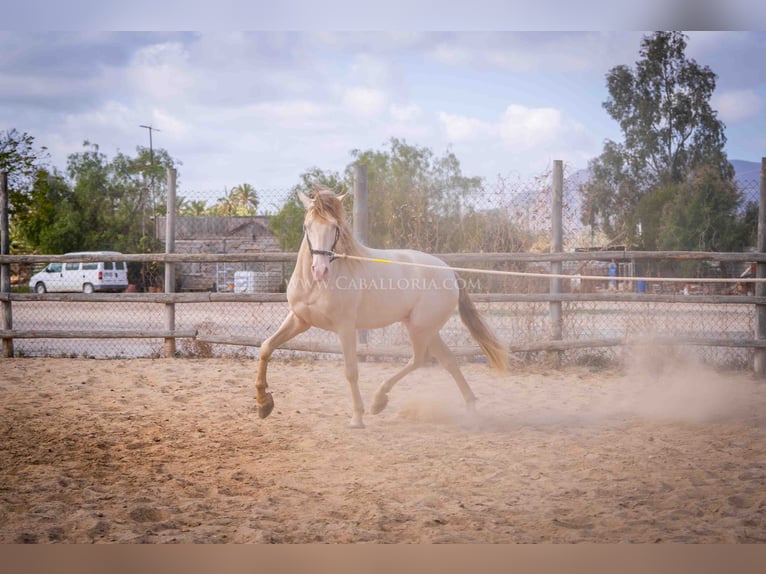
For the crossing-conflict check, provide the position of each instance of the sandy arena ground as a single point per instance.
(172, 451)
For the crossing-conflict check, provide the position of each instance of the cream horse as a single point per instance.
(343, 295)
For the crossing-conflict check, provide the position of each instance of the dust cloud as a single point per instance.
(668, 383)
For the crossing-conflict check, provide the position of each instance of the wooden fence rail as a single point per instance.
(451, 258)
(554, 297)
(169, 299)
(552, 344)
(213, 297)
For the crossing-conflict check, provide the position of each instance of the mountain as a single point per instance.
(747, 174)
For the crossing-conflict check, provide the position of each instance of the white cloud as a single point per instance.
(523, 128)
(161, 71)
(111, 115)
(532, 52)
(462, 129)
(298, 110)
(521, 140)
(407, 113)
(371, 70)
(364, 101)
(518, 129)
(737, 105)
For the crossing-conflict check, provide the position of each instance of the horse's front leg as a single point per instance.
(347, 337)
(291, 326)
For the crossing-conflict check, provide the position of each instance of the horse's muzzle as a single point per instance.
(320, 270)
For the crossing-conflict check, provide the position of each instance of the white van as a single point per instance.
(85, 277)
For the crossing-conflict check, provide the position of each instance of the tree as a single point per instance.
(416, 197)
(669, 128)
(46, 219)
(416, 200)
(287, 223)
(702, 215)
(246, 199)
(195, 207)
(240, 200)
(103, 204)
(20, 159)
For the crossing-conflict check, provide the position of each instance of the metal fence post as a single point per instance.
(760, 272)
(361, 219)
(170, 272)
(557, 246)
(5, 268)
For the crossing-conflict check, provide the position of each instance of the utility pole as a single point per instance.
(151, 149)
(151, 193)
(151, 157)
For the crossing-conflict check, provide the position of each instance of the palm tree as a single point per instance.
(182, 205)
(245, 198)
(196, 207)
(227, 205)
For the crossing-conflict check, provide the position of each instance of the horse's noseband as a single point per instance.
(330, 252)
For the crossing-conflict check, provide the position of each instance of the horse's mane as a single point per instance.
(328, 207)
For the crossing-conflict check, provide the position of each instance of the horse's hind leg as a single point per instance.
(291, 327)
(419, 348)
(439, 349)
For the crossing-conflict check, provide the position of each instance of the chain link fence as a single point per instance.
(507, 216)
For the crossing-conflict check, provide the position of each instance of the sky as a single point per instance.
(263, 107)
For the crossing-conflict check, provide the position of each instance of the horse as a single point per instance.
(331, 290)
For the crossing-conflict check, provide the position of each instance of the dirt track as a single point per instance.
(172, 451)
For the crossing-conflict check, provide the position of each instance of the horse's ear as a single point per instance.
(342, 197)
(305, 199)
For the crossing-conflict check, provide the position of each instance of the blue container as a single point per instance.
(641, 286)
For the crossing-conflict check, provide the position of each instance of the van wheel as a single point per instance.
(87, 288)
(40, 288)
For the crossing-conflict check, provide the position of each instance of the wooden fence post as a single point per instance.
(760, 273)
(170, 272)
(5, 268)
(557, 246)
(361, 218)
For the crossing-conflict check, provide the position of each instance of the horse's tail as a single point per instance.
(493, 349)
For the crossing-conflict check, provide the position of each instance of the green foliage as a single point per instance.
(287, 223)
(415, 198)
(702, 215)
(240, 200)
(103, 204)
(46, 219)
(21, 160)
(673, 142)
(663, 108)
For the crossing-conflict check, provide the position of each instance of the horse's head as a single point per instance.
(322, 225)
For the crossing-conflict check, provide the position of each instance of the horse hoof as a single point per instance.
(265, 409)
(379, 404)
(356, 424)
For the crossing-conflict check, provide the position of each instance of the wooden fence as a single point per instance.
(555, 297)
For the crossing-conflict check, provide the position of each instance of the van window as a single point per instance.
(54, 268)
(71, 266)
(90, 266)
(117, 265)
